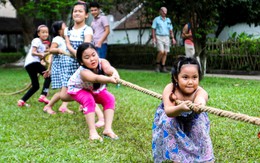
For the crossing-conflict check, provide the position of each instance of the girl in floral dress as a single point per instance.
(179, 134)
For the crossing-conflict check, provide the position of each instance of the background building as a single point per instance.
(10, 29)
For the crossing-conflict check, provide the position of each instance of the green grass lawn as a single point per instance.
(30, 135)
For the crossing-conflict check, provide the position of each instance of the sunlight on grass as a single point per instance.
(30, 135)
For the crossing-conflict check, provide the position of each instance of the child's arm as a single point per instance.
(70, 48)
(88, 34)
(170, 107)
(88, 38)
(55, 50)
(201, 97)
(87, 75)
(108, 69)
(35, 53)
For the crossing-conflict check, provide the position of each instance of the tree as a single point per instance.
(181, 10)
(211, 14)
(28, 11)
(26, 21)
(206, 12)
(240, 11)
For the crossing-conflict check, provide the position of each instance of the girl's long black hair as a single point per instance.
(56, 26)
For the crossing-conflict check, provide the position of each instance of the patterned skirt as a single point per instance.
(181, 139)
(68, 67)
(56, 72)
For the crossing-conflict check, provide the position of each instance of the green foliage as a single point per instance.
(9, 57)
(52, 9)
(240, 11)
(239, 52)
(30, 135)
(241, 37)
(139, 56)
(248, 44)
(3, 1)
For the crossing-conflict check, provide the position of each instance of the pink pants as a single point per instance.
(89, 99)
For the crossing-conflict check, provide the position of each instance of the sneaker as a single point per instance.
(21, 103)
(157, 68)
(43, 99)
(164, 70)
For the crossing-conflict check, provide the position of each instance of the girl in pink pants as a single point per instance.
(87, 86)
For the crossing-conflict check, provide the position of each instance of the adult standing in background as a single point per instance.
(161, 30)
(187, 36)
(101, 29)
(188, 39)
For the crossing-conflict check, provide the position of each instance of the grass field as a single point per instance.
(30, 135)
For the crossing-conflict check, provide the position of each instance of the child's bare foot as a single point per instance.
(110, 134)
(65, 110)
(95, 137)
(100, 123)
(80, 108)
(48, 110)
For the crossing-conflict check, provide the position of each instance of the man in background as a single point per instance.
(161, 31)
(101, 29)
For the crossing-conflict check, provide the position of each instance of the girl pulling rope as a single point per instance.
(191, 106)
(34, 67)
(179, 133)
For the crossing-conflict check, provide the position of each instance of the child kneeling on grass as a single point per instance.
(87, 86)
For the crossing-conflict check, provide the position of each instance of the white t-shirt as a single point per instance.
(60, 42)
(36, 42)
(76, 36)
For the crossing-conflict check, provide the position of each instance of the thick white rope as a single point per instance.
(215, 111)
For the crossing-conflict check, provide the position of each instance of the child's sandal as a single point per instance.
(111, 136)
(43, 99)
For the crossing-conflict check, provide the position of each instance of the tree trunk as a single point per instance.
(27, 28)
(200, 46)
(27, 22)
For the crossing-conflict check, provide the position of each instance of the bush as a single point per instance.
(139, 56)
(238, 53)
(9, 57)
